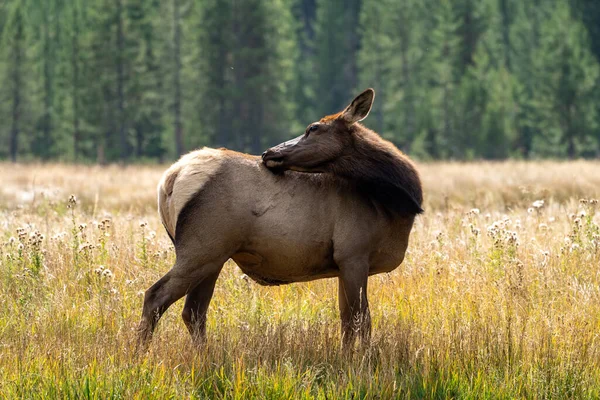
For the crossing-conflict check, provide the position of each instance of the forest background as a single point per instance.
(146, 80)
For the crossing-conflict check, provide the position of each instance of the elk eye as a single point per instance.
(313, 128)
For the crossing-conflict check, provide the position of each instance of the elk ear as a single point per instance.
(359, 108)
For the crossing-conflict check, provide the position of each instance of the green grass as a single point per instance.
(500, 303)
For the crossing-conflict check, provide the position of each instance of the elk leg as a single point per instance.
(354, 307)
(196, 307)
(170, 288)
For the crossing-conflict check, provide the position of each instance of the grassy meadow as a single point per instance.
(499, 296)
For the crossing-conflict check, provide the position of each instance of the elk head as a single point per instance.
(323, 141)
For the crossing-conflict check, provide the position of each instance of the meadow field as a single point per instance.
(498, 297)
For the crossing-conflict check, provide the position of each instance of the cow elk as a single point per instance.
(336, 202)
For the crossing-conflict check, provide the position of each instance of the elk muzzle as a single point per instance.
(272, 159)
(275, 157)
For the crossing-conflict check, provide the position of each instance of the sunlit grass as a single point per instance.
(498, 297)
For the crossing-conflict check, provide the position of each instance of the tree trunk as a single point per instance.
(16, 95)
(47, 119)
(504, 10)
(448, 134)
(177, 78)
(308, 16)
(570, 146)
(139, 140)
(14, 130)
(569, 131)
(75, 83)
(570, 135)
(354, 7)
(380, 116)
(409, 117)
(224, 122)
(121, 82)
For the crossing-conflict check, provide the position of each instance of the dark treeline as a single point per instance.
(125, 80)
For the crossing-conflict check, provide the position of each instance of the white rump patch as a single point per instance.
(182, 180)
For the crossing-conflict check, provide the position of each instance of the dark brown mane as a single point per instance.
(381, 173)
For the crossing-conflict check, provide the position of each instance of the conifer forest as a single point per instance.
(147, 80)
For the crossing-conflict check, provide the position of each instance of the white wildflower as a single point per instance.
(538, 204)
(574, 247)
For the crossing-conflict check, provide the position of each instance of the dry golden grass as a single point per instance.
(499, 302)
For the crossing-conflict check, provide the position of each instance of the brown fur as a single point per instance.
(381, 172)
(374, 166)
(349, 218)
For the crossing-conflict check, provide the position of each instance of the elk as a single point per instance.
(336, 202)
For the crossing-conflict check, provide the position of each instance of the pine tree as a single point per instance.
(215, 72)
(13, 69)
(441, 74)
(43, 143)
(568, 77)
(145, 81)
(304, 13)
(177, 83)
(76, 25)
(376, 58)
(471, 20)
(247, 73)
(99, 105)
(120, 60)
(337, 44)
(589, 13)
(525, 39)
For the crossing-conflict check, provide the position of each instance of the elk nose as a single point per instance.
(264, 154)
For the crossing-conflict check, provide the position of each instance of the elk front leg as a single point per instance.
(354, 307)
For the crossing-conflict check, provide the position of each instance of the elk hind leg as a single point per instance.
(196, 307)
(174, 285)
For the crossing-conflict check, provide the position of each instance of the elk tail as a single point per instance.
(165, 190)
